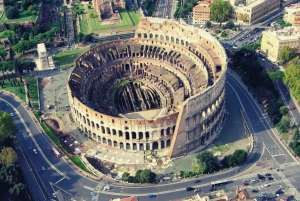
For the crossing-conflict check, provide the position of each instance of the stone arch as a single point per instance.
(121, 145)
(115, 144)
(94, 135)
(99, 138)
(93, 124)
(102, 129)
(168, 131)
(145, 35)
(182, 42)
(156, 36)
(186, 43)
(141, 136)
(128, 147)
(84, 121)
(104, 140)
(139, 35)
(162, 133)
(88, 121)
(203, 114)
(168, 143)
(177, 40)
(167, 38)
(172, 39)
(108, 130)
(120, 133)
(109, 142)
(151, 35)
(162, 37)
(154, 146)
(134, 146)
(162, 144)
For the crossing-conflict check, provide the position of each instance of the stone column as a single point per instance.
(151, 145)
(159, 144)
(144, 146)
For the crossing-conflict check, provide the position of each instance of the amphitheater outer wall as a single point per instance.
(198, 119)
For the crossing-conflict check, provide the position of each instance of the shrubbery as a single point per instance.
(141, 176)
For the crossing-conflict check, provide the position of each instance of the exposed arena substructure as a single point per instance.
(164, 88)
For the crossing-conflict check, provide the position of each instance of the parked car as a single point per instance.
(34, 151)
(198, 181)
(151, 196)
(189, 188)
(292, 107)
(245, 184)
(254, 191)
(267, 174)
(93, 193)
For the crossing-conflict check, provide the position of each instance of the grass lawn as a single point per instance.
(32, 88)
(83, 27)
(35, 105)
(23, 16)
(67, 58)
(134, 17)
(221, 148)
(17, 90)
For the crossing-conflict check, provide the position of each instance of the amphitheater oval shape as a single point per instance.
(162, 89)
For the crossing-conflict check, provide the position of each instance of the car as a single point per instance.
(254, 191)
(212, 189)
(270, 178)
(245, 184)
(93, 193)
(268, 175)
(189, 188)
(198, 181)
(34, 151)
(27, 132)
(197, 190)
(53, 195)
(43, 168)
(263, 59)
(292, 107)
(151, 196)
(12, 114)
(246, 180)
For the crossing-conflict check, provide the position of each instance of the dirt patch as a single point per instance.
(43, 82)
(53, 124)
(103, 166)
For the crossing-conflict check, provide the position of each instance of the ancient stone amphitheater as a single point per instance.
(162, 89)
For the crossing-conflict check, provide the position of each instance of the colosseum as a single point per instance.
(162, 89)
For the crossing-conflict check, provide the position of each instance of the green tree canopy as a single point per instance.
(7, 126)
(8, 156)
(283, 110)
(292, 78)
(297, 151)
(229, 161)
(125, 176)
(12, 12)
(240, 156)
(147, 176)
(277, 75)
(210, 161)
(284, 124)
(220, 11)
(208, 24)
(286, 54)
(3, 53)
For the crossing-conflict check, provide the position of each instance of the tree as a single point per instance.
(8, 156)
(243, 17)
(277, 75)
(229, 161)
(17, 189)
(220, 11)
(147, 176)
(283, 110)
(297, 150)
(87, 38)
(8, 2)
(7, 126)
(125, 176)
(284, 124)
(286, 54)
(12, 12)
(25, 36)
(3, 52)
(11, 174)
(229, 25)
(200, 169)
(210, 161)
(208, 24)
(138, 175)
(240, 156)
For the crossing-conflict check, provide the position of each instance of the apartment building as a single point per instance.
(292, 14)
(201, 12)
(251, 11)
(274, 40)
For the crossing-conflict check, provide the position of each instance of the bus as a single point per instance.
(57, 154)
(219, 183)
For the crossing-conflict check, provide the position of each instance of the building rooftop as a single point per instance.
(219, 195)
(133, 198)
(41, 47)
(241, 195)
(288, 33)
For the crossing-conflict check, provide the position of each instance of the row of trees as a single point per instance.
(141, 176)
(206, 162)
(12, 7)
(292, 77)
(11, 176)
(17, 66)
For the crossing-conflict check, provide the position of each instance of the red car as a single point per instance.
(245, 184)
(292, 107)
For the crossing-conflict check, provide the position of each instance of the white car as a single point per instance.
(54, 195)
(34, 151)
(12, 114)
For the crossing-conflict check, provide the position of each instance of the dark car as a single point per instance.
(268, 175)
(254, 191)
(189, 188)
(151, 196)
(279, 192)
(198, 181)
(270, 178)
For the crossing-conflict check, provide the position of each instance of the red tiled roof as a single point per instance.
(130, 199)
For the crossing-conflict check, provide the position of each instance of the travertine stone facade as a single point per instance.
(115, 87)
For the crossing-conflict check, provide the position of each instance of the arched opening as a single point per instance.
(141, 147)
(155, 145)
(168, 143)
(139, 35)
(202, 139)
(115, 144)
(141, 135)
(99, 138)
(102, 129)
(127, 135)
(114, 131)
(133, 135)
(162, 132)
(108, 130)
(162, 144)
(104, 140)
(147, 146)
(109, 143)
(127, 146)
(121, 145)
(134, 147)
(168, 131)
(120, 133)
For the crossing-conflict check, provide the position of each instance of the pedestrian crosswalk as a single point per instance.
(273, 149)
(288, 164)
